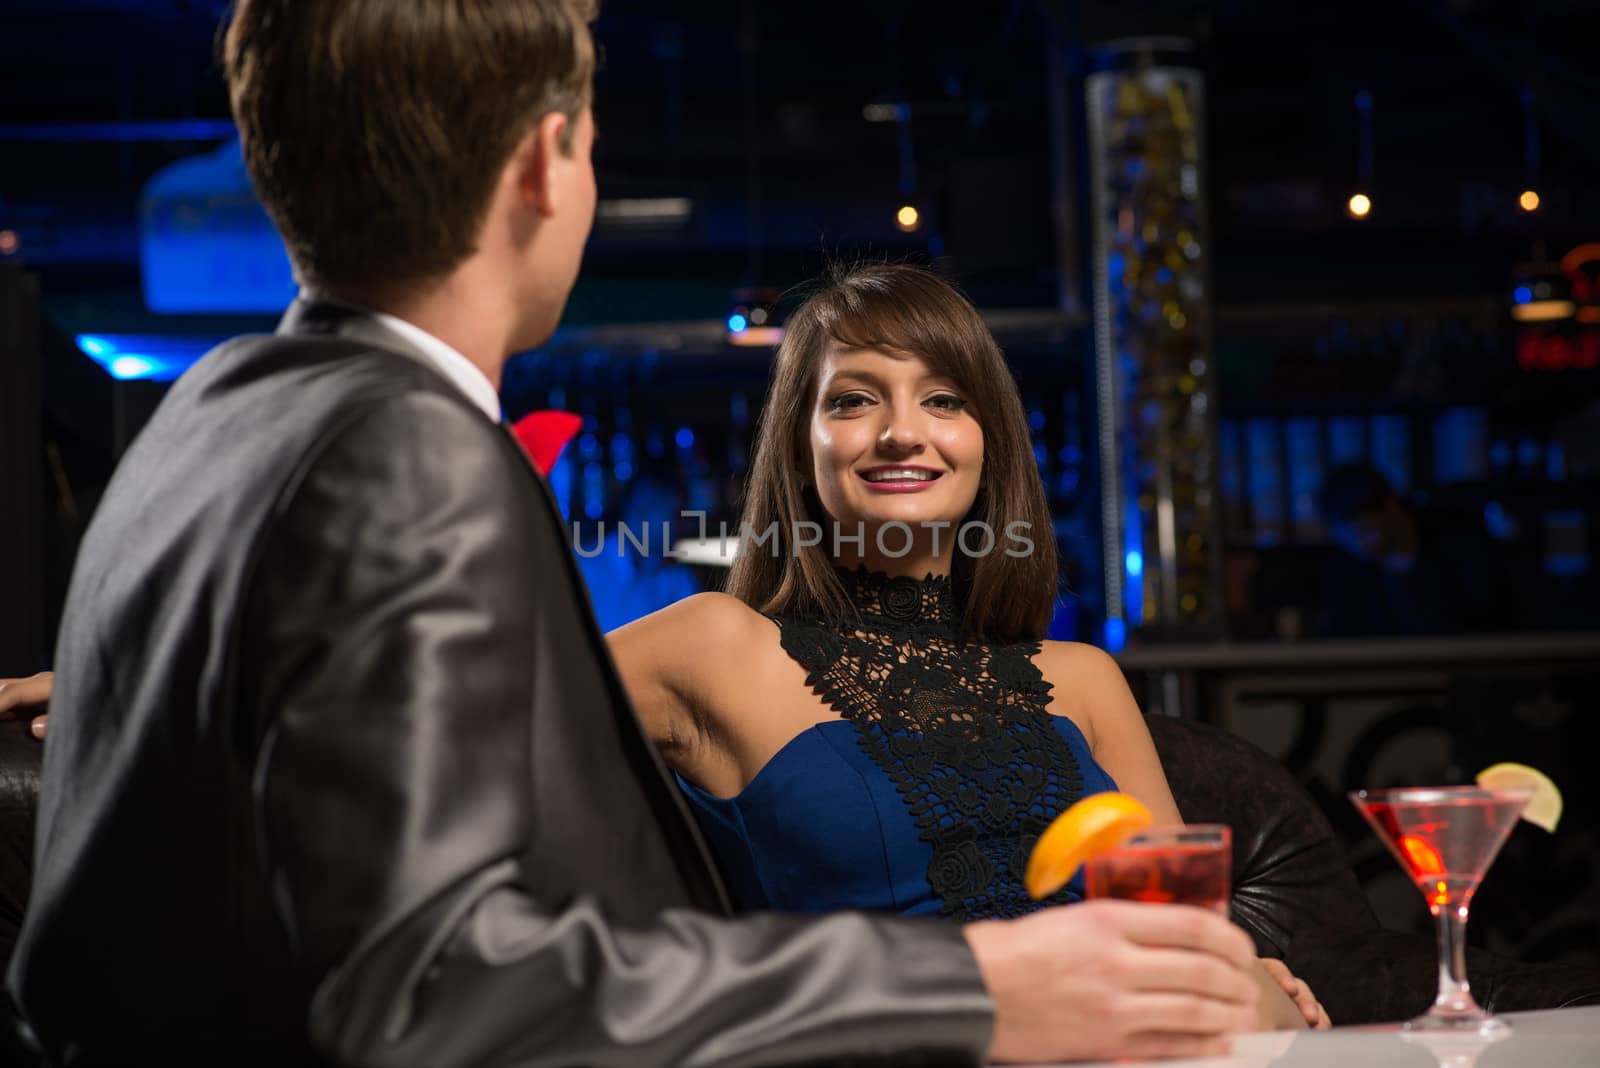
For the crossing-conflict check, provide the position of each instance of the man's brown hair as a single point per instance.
(375, 130)
(906, 309)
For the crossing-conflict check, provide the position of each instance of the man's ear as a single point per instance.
(536, 159)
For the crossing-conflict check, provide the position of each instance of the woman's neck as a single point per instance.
(909, 557)
(924, 598)
(912, 565)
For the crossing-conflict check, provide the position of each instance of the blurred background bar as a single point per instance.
(1303, 299)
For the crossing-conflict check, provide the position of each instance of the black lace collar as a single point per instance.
(959, 726)
(877, 596)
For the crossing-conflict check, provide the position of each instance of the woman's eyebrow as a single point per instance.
(859, 375)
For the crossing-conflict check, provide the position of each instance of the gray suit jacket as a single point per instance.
(339, 768)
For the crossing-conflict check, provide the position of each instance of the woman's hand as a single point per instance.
(21, 697)
(1297, 990)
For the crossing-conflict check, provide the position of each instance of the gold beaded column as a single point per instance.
(1154, 376)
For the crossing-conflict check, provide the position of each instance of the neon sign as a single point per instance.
(1541, 351)
(1566, 337)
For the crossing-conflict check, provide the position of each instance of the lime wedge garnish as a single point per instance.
(1544, 807)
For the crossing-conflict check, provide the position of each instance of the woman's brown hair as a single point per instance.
(908, 309)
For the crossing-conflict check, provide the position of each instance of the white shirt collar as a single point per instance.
(467, 376)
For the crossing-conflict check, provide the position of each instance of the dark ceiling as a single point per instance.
(722, 100)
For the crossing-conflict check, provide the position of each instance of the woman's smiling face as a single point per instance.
(891, 441)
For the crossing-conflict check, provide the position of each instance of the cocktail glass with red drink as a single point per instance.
(1445, 838)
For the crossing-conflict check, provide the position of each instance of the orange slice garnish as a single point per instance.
(1093, 825)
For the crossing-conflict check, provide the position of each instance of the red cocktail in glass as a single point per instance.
(1445, 838)
(1183, 865)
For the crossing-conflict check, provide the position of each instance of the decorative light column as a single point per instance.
(1154, 375)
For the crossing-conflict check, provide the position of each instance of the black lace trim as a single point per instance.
(959, 727)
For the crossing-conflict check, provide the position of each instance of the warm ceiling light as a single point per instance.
(1540, 311)
(755, 336)
(907, 218)
(1360, 206)
(1529, 200)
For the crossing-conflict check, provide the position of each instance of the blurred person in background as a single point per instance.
(1397, 568)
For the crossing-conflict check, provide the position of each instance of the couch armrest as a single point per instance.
(1289, 873)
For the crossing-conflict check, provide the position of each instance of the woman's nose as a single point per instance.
(901, 431)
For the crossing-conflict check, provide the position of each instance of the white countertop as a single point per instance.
(1558, 1038)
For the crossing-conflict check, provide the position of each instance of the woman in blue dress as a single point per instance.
(868, 717)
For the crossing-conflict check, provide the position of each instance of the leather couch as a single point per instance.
(20, 755)
(1293, 890)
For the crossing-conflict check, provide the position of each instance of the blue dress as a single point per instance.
(926, 796)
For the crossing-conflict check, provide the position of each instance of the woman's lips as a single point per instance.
(908, 485)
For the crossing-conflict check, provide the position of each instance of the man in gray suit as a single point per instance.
(339, 769)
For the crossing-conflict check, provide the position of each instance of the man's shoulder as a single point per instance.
(232, 439)
(268, 400)
(334, 368)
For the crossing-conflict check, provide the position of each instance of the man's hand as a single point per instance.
(21, 697)
(1304, 1000)
(1112, 979)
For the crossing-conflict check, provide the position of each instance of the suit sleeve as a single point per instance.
(395, 809)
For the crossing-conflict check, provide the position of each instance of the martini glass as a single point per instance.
(1446, 838)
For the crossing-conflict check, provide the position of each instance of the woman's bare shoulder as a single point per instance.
(703, 621)
(1078, 663)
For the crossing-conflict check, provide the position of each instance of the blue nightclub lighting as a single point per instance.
(1133, 563)
(205, 242)
(737, 323)
(1501, 524)
(685, 438)
(1567, 564)
(1036, 420)
(561, 479)
(1116, 635)
(1523, 294)
(594, 491)
(153, 357)
(119, 132)
(126, 367)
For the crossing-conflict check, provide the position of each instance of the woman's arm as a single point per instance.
(1089, 687)
(669, 662)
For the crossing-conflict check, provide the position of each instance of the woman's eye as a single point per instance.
(847, 401)
(947, 401)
